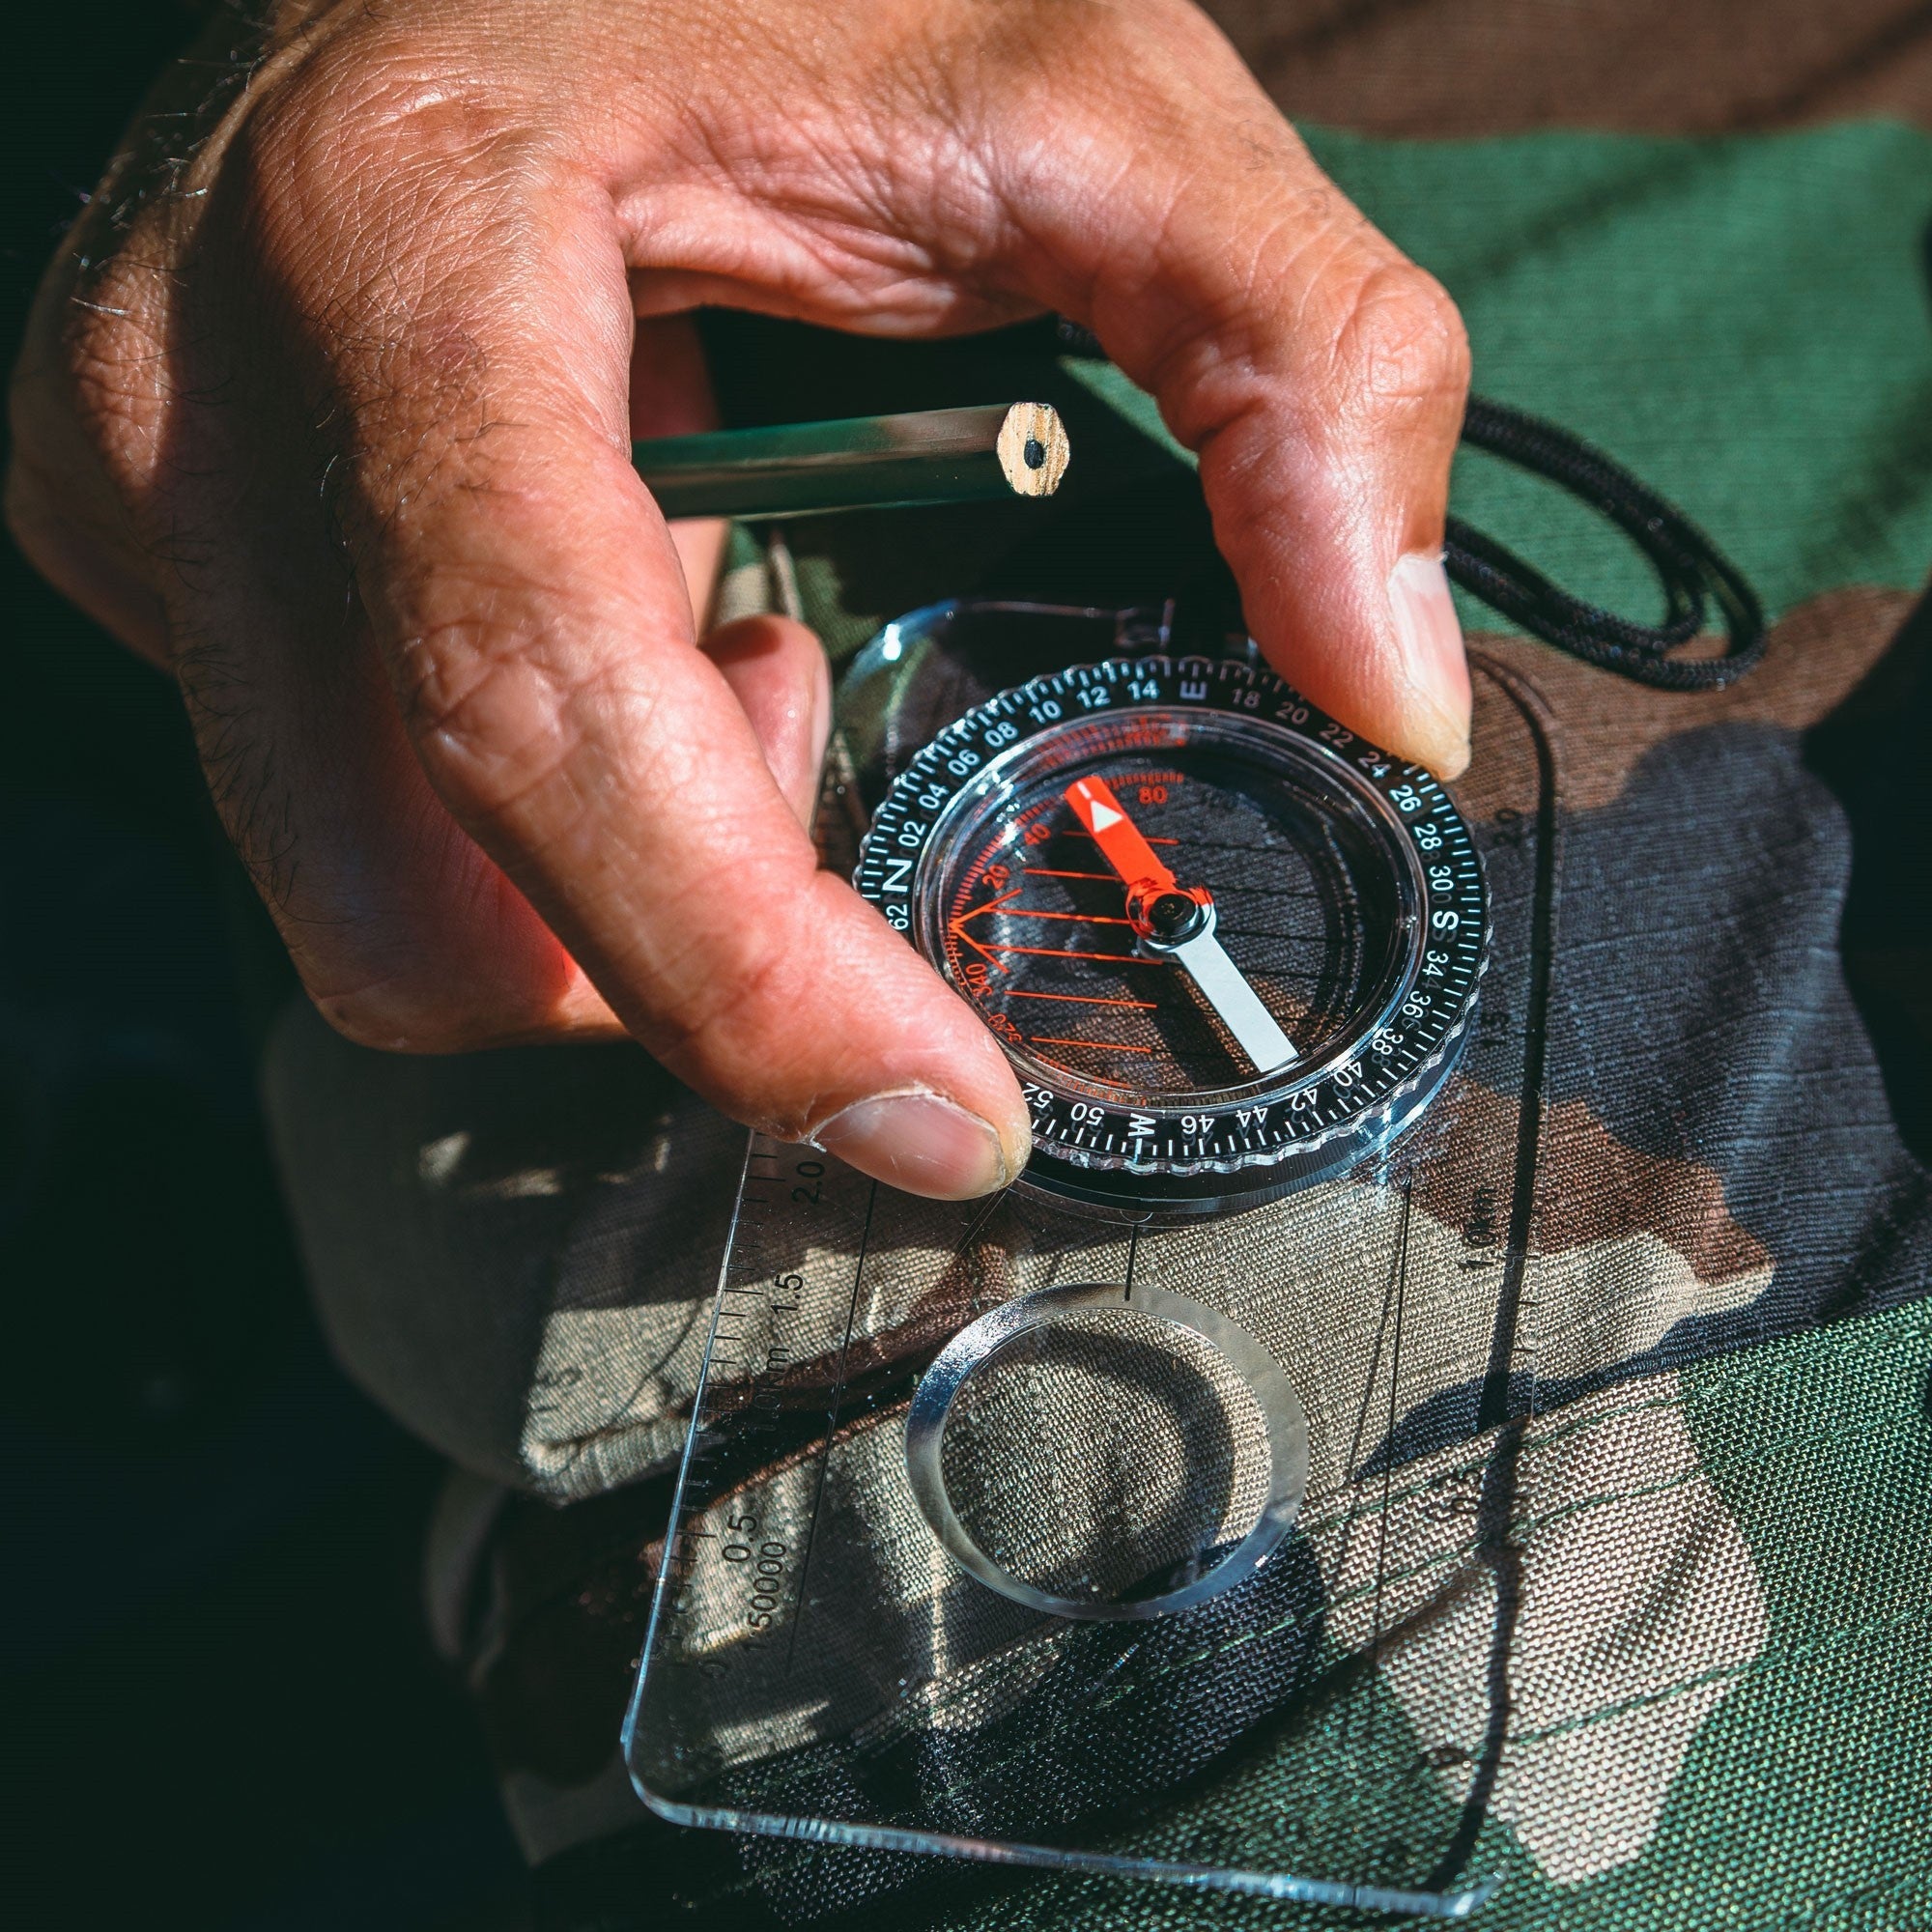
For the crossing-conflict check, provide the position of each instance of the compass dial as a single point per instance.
(1228, 946)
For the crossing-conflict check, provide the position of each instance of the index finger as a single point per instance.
(1318, 374)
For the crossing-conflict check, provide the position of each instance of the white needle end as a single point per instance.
(1235, 1002)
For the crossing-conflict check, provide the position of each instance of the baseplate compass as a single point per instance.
(1230, 946)
(1005, 1525)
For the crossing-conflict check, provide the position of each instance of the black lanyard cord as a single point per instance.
(1694, 572)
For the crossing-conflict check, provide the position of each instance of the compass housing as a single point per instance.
(1344, 884)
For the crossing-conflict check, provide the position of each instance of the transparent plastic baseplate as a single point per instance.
(1011, 1534)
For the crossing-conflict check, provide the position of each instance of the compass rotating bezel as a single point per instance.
(1267, 1134)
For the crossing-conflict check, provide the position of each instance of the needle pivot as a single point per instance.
(1165, 917)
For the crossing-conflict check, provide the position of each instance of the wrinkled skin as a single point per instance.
(326, 408)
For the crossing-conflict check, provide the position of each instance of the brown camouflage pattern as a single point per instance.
(1439, 70)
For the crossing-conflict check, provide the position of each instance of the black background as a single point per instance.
(221, 1709)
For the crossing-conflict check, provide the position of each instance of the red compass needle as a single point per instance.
(1119, 838)
(1176, 921)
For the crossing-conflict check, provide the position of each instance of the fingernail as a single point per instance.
(919, 1142)
(1430, 638)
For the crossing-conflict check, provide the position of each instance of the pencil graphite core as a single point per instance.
(929, 456)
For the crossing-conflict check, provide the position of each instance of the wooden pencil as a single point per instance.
(791, 470)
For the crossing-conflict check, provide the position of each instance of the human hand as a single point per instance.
(327, 407)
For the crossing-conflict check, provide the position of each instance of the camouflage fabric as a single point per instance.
(1626, 1597)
